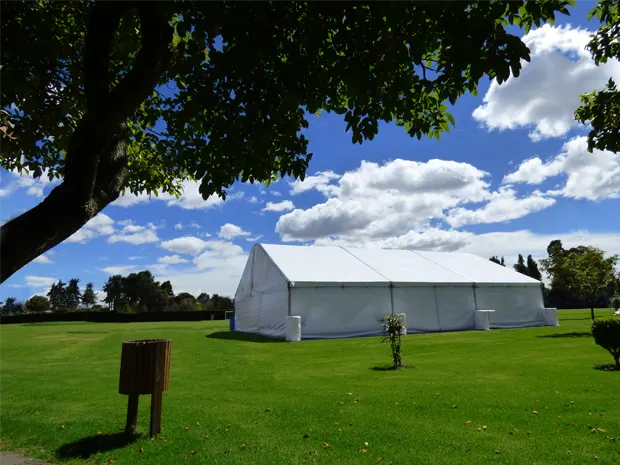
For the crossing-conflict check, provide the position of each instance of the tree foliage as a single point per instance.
(89, 298)
(495, 259)
(37, 304)
(583, 272)
(607, 335)
(601, 108)
(139, 96)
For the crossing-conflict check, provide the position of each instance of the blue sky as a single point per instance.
(511, 176)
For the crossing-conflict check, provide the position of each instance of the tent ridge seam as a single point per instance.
(359, 259)
(444, 267)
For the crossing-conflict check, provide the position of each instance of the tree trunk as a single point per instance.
(592, 313)
(95, 169)
(48, 224)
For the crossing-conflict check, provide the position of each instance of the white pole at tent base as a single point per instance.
(404, 330)
(293, 328)
(482, 318)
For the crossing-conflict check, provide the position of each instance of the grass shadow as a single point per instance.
(85, 447)
(241, 336)
(574, 334)
(606, 367)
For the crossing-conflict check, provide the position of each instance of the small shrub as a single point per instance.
(607, 335)
(394, 327)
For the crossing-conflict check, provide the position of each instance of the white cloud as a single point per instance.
(172, 260)
(135, 257)
(16, 286)
(135, 234)
(321, 181)
(42, 260)
(546, 94)
(4, 192)
(230, 231)
(178, 226)
(216, 271)
(253, 199)
(119, 269)
(100, 225)
(254, 239)
(276, 193)
(380, 201)
(503, 206)
(39, 281)
(285, 205)
(35, 186)
(188, 245)
(590, 176)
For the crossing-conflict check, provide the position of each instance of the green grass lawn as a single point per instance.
(465, 396)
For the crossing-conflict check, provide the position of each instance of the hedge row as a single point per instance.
(113, 317)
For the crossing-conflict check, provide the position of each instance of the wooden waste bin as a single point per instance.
(145, 369)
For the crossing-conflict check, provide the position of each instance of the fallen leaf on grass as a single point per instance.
(99, 433)
(243, 446)
(497, 452)
(437, 394)
(325, 445)
(479, 429)
(570, 453)
(267, 410)
(595, 457)
(484, 427)
(357, 399)
(350, 393)
(454, 406)
(396, 403)
(198, 423)
(306, 436)
(62, 426)
(363, 451)
(193, 452)
(340, 403)
(516, 430)
(227, 451)
(378, 459)
(206, 437)
(468, 422)
(535, 412)
(141, 449)
(612, 439)
(186, 428)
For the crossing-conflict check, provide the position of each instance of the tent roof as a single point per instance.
(333, 266)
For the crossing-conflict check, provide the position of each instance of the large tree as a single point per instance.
(520, 266)
(532, 269)
(601, 109)
(585, 272)
(38, 304)
(89, 298)
(116, 97)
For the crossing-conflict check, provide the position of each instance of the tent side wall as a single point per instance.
(264, 309)
(334, 312)
(515, 306)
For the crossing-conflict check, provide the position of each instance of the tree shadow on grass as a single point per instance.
(574, 334)
(241, 336)
(606, 367)
(390, 368)
(85, 447)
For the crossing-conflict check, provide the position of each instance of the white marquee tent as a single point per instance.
(344, 292)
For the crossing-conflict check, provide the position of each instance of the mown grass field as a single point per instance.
(467, 397)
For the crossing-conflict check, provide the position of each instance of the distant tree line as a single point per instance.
(135, 293)
(530, 269)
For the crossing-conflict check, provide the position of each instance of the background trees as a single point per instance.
(37, 304)
(89, 298)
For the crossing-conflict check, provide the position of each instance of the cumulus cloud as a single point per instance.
(119, 269)
(39, 281)
(135, 234)
(187, 245)
(100, 225)
(217, 270)
(380, 201)
(590, 176)
(321, 182)
(34, 186)
(546, 94)
(230, 231)
(504, 205)
(172, 260)
(285, 205)
(43, 260)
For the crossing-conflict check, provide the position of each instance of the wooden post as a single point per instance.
(145, 369)
(132, 413)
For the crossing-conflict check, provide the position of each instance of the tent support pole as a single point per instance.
(475, 297)
(288, 285)
(392, 297)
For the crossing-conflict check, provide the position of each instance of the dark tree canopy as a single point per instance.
(89, 298)
(37, 304)
(139, 96)
(601, 109)
(520, 266)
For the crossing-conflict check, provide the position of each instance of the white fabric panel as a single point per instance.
(266, 277)
(456, 307)
(340, 312)
(515, 307)
(273, 310)
(244, 290)
(322, 266)
(477, 269)
(246, 314)
(293, 328)
(549, 316)
(482, 319)
(418, 304)
(402, 266)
